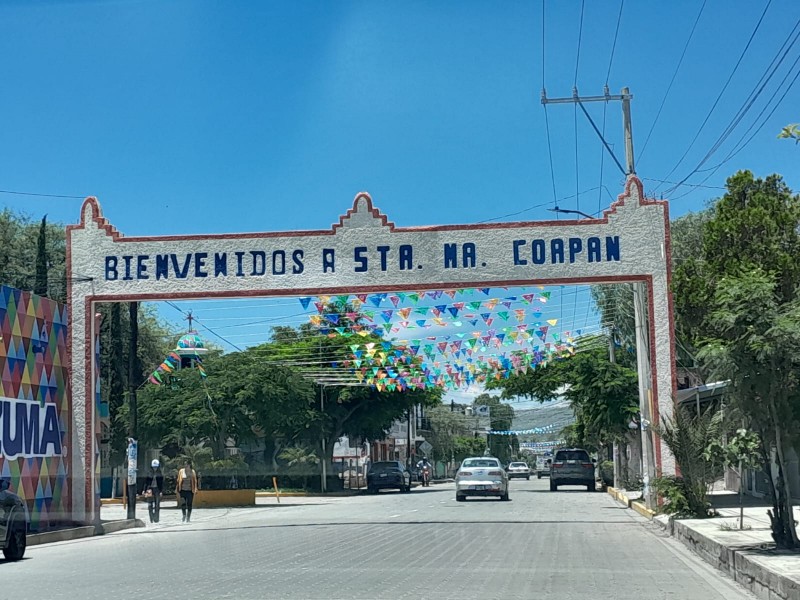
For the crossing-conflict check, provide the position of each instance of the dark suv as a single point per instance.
(13, 524)
(572, 466)
(391, 474)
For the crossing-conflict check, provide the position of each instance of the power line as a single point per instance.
(605, 106)
(694, 185)
(672, 80)
(614, 44)
(770, 71)
(18, 193)
(736, 150)
(722, 91)
(737, 147)
(575, 108)
(212, 332)
(546, 119)
(578, 53)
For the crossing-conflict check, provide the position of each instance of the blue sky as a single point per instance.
(201, 116)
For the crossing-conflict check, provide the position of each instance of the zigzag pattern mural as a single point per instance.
(33, 368)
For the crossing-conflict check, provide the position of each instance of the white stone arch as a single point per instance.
(105, 266)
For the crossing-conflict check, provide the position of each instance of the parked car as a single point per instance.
(13, 523)
(389, 474)
(543, 466)
(481, 476)
(572, 466)
(518, 469)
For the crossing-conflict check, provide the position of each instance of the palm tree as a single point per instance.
(300, 461)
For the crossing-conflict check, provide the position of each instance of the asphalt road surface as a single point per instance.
(542, 545)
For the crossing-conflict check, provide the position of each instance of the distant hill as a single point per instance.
(530, 415)
(557, 412)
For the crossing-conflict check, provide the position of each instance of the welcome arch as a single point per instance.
(364, 252)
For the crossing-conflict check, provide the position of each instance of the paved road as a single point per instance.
(545, 545)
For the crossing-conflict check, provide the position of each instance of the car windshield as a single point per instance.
(479, 462)
(258, 260)
(579, 455)
(385, 466)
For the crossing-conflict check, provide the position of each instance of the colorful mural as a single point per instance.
(34, 404)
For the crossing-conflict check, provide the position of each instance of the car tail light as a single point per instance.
(587, 464)
(558, 464)
(465, 474)
(496, 473)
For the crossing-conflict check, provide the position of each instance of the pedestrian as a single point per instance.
(154, 487)
(187, 488)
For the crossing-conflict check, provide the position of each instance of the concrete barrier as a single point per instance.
(618, 496)
(224, 498)
(76, 533)
(753, 569)
(640, 508)
(60, 535)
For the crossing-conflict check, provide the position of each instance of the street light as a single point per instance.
(572, 212)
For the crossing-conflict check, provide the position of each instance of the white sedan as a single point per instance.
(519, 469)
(481, 476)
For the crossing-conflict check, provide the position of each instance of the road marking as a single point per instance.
(394, 516)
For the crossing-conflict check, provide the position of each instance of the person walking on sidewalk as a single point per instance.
(187, 488)
(154, 487)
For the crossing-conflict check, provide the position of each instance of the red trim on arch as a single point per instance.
(651, 317)
(370, 208)
(332, 291)
(88, 449)
(671, 309)
(112, 232)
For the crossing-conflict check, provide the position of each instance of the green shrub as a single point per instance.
(607, 472)
(681, 500)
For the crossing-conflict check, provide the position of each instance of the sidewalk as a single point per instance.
(748, 556)
(170, 515)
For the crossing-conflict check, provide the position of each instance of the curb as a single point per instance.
(642, 510)
(76, 533)
(618, 496)
(741, 563)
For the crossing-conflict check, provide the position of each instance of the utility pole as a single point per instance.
(639, 288)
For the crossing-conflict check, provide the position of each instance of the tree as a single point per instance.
(739, 452)
(745, 310)
(361, 412)
(301, 462)
(446, 427)
(20, 241)
(603, 395)
(241, 396)
(467, 446)
(791, 132)
(40, 285)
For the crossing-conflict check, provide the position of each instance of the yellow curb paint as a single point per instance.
(643, 510)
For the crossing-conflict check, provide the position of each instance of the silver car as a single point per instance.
(481, 476)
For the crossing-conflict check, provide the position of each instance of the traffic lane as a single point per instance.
(566, 544)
